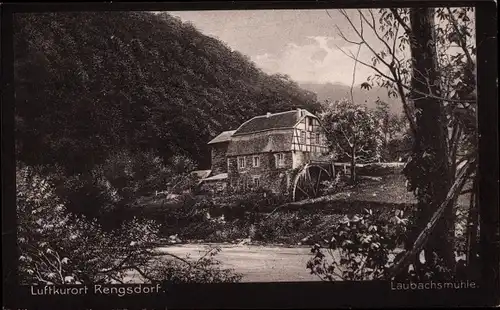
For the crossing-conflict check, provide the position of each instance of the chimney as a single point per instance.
(268, 114)
(300, 112)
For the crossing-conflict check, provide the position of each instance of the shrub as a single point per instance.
(334, 186)
(57, 247)
(107, 191)
(379, 169)
(364, 247)
(359, 248)
(206, 269)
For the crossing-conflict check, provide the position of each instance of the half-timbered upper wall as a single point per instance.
(308, 136)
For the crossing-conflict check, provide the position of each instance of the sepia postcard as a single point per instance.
(250, 155)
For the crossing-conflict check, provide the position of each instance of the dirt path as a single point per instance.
(255, 263)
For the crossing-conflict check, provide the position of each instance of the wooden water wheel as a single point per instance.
(308, 181)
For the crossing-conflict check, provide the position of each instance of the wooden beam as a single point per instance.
(422, 238)
(317, 183)
(303, 191)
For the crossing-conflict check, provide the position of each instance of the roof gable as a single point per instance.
(272, 121)
(224, 136)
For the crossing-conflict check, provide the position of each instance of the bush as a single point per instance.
(108, 191)
(214, 219)
(204, 270)
(285, 227)
(358, 248)
(377, 170)
(57, 247)
(334, 186)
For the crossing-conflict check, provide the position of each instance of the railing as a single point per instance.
(345, 167)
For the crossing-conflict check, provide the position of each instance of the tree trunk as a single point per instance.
(426, 233)
(432, 175)
(472, 236)
(353, 164)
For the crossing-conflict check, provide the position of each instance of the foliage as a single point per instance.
(446, 96)
(285, 227)
(119, 105)
(455, 45)
(352, 132)
(261, 200)
(393, 129)
(359, 248)
(57, 247)
(89, 84)
(216, 218)
(334, 186)
(203, 270)
(106, 191)
(351, 128)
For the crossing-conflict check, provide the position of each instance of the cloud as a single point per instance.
(320, 61)
(319, 55)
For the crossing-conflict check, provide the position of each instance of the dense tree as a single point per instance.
(352, 132)
(88, 84)
(393, 129)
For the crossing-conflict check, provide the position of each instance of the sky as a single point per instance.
(303, 44)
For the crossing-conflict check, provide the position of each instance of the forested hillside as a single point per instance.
(93, 84)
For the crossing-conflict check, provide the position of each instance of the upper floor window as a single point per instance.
(280, 159)
(241, 162)
(317, 138)
(302, 137)
(256, 161)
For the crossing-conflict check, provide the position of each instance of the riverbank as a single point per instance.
(255, 263)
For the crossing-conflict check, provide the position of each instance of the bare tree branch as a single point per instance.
(354, 73)
(363, 41)
(373, 26)
(394, 80)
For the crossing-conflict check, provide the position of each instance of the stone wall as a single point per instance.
(270, 177)
(219, 161)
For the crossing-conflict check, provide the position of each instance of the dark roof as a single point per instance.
(272, 121)
(225, 136)
(275, 142)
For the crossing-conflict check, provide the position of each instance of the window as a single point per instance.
(317, 138)
(241, 162)
(280, 160)
(256, 161)
(302, 137)
(256, 182)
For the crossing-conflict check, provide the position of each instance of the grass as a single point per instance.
(388, 189)
(391, 189)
